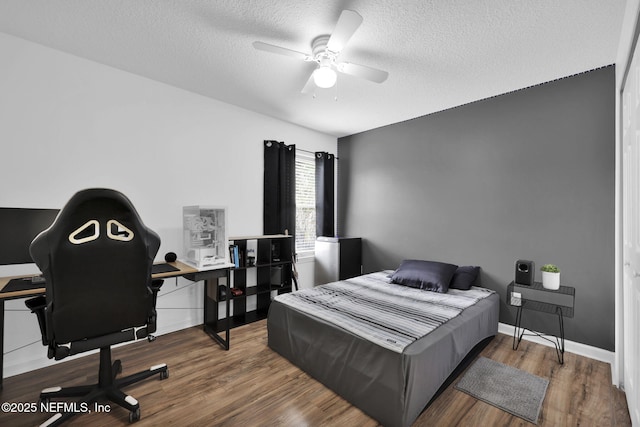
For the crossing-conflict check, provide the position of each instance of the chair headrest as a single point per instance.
(94, 218)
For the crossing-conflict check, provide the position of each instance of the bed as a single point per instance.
(340, 334)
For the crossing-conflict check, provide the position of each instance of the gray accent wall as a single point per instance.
(526, 175)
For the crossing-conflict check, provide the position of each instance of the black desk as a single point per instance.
(210, 277)
(535, 297)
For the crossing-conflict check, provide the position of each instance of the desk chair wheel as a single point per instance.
(134, 416)
(164, 374)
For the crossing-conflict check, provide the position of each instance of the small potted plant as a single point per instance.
(550, 276)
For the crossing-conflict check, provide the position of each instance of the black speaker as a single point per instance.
(525, 272)
(275, 251)
(170, 257)
(222, 293)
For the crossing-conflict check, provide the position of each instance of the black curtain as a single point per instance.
(324, 194)
(279, 188)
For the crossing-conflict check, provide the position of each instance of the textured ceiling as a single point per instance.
(439, 53)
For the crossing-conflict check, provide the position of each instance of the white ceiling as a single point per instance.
(439, 53)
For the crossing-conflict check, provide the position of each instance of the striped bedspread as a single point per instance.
(375, 309)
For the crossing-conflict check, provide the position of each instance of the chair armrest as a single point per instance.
(37, 306)
(156, 284)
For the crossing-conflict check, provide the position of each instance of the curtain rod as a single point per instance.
(314, 152)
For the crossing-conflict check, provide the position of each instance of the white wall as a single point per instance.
(67, 123)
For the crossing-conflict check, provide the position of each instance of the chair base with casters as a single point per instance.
(108, 386)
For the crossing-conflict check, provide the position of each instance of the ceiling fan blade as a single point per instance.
(309, 86)
(364, 72)
(348, 23)
(281, 51)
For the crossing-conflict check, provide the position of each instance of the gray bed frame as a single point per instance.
(393, 388)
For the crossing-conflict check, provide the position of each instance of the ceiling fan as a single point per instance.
(326, 51)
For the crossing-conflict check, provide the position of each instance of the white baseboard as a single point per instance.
(570, 347)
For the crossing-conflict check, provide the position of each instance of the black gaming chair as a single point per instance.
(96, 259)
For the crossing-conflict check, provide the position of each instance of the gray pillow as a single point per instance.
(464, 278)
(428, 275)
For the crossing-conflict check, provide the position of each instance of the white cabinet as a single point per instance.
(337, 258)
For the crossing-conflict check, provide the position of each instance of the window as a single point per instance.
(305, 203)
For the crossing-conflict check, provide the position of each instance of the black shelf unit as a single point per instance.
(268, 275)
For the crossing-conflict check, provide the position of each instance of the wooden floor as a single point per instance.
(250, 385)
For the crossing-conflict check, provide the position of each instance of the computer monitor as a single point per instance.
(18, 228)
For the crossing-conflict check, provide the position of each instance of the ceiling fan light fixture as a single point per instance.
(325, 52)
(325, 77)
